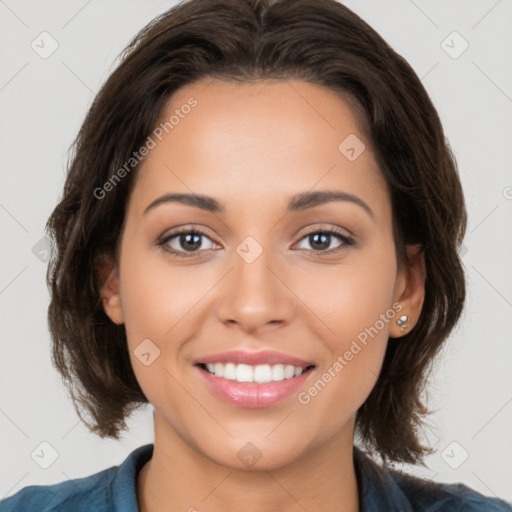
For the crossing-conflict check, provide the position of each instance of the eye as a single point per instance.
(188, 242)
(184, 241)
(321, 240)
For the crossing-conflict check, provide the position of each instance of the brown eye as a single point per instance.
(321, 241)
(186, 241)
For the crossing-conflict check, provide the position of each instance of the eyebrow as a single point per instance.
(298, 202)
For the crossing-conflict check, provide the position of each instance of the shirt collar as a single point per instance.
(378, 490)
(124, 486)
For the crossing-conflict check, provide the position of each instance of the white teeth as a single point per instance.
(219, 369)
(244, 373)
(278, 372)
(229, 371)
(260, 374)
(289, 371)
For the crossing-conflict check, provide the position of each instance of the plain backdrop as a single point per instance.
(43, 102)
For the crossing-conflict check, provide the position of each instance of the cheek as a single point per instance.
(360, 304)
(351, 296)
(355, 305)
(156, 295)
(160, 303)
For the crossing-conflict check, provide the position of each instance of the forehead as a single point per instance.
(260, 141)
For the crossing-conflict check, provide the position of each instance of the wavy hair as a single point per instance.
(318, 41)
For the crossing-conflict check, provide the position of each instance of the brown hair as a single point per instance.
(320, 41)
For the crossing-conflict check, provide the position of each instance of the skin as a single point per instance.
(252, 147)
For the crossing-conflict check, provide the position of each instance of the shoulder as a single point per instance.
(384, 488)
(79, 494)
(111, 489)
(457, 497)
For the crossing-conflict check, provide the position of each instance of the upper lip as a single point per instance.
(254, 358)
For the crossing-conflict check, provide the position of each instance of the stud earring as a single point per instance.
(402, 322)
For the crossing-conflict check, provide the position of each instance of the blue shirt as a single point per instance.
(114, 490)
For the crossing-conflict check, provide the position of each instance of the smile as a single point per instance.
(253, 379)
(260, 374)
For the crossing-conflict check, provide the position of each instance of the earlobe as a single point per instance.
(409, 292)
(110, 294)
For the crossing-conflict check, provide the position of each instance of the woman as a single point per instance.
(259, 236)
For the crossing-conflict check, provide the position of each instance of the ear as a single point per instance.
(409, 290)
(109, 292)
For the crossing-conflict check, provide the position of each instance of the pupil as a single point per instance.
(188, 244)
(320, 240)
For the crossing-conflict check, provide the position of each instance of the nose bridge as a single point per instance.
(253, 295)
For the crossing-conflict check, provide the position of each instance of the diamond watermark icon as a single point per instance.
(249, 249)
(249, 454)
(146, 352)
(44, 45)
(42, 250)
(44, 455)
(351, 147)
(454, 455)
(454, 45)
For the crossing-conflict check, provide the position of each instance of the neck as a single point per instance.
(179, 478)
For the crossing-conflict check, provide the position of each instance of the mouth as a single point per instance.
(253, 379)
(260, 374)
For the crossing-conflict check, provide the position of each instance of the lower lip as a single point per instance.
(251, 394)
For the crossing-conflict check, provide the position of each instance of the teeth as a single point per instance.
(278, 372)
(229, 371)
(244, 373)
(260, 374)
(219, 369)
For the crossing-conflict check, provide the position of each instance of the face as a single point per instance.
(265, 280)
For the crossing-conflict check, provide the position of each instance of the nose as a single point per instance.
(254, 296)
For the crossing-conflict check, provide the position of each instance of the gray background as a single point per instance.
(43, 102)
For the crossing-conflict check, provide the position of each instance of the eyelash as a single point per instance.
(162, 243)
